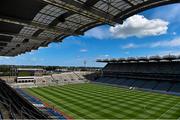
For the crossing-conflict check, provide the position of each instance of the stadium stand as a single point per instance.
(70, 77)
(175, 88)
(53, 79)
(154, 73)
(37, 103)
(164, 86)
(150, 84)
(138, 83)
(13, 106)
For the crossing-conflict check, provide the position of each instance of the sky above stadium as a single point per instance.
(152, 32)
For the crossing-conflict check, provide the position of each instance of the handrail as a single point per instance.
(77, 75)
(15, 106)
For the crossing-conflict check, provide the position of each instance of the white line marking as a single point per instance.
(168, 110)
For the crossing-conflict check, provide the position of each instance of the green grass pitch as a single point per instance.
(95, 101)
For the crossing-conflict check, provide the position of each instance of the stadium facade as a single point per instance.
(161, 74)
(26, 25)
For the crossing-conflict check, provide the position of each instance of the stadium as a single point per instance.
(146, 87)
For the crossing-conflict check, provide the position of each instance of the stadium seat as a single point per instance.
(127, 82)
(9, 95)
(138, 83)
(150, 84)
(163, 86)
(175, 88)
(1, 116)
(152, 75)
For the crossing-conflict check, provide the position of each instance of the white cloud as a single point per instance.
(129, 46)
(83, 50)
(139, 26)
(136, 25)
(99, 33)
(174, 33)
(106, 55)
(103, 56)
(126, 52)
(171, 52)
(164, 52)
(169, 43)
(164, 43)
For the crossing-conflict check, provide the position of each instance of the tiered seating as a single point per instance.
(70, 77)
(118, 81)
(4, 110)
(175, 87)
(139, 83)
(127, 82)
(1, 116)
(153, 75)
(167, 69)
(150, 84)
(36, 102)
(110, 80)
(54, 114)
(20, 108)
(164, 86)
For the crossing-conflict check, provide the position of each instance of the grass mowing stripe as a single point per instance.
(91, 102)
(72, 91)
(56, 102)
(110, 102)
(145, 94)
(74, 100)
(115, 101)
(125, 89)
(98, 102)
(51, 89)
(107, 95)
(45, 99)
(113, 93)
(167, 112)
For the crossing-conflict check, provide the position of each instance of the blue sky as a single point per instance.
(153, 32)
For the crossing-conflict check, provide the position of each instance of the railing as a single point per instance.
(54, 80)
(17, 104)
(78, 75)
(10, 106)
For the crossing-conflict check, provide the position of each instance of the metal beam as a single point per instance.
(38, 26)
(12, 53)
(14, 45)
(78, 8)
(142, 7)
(90, 3)
(7, 45)
(19, 42)
(18, 50)
(25, 37)
(127, 1)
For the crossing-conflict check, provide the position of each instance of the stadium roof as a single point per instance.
(167, 58)
(26, 25)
